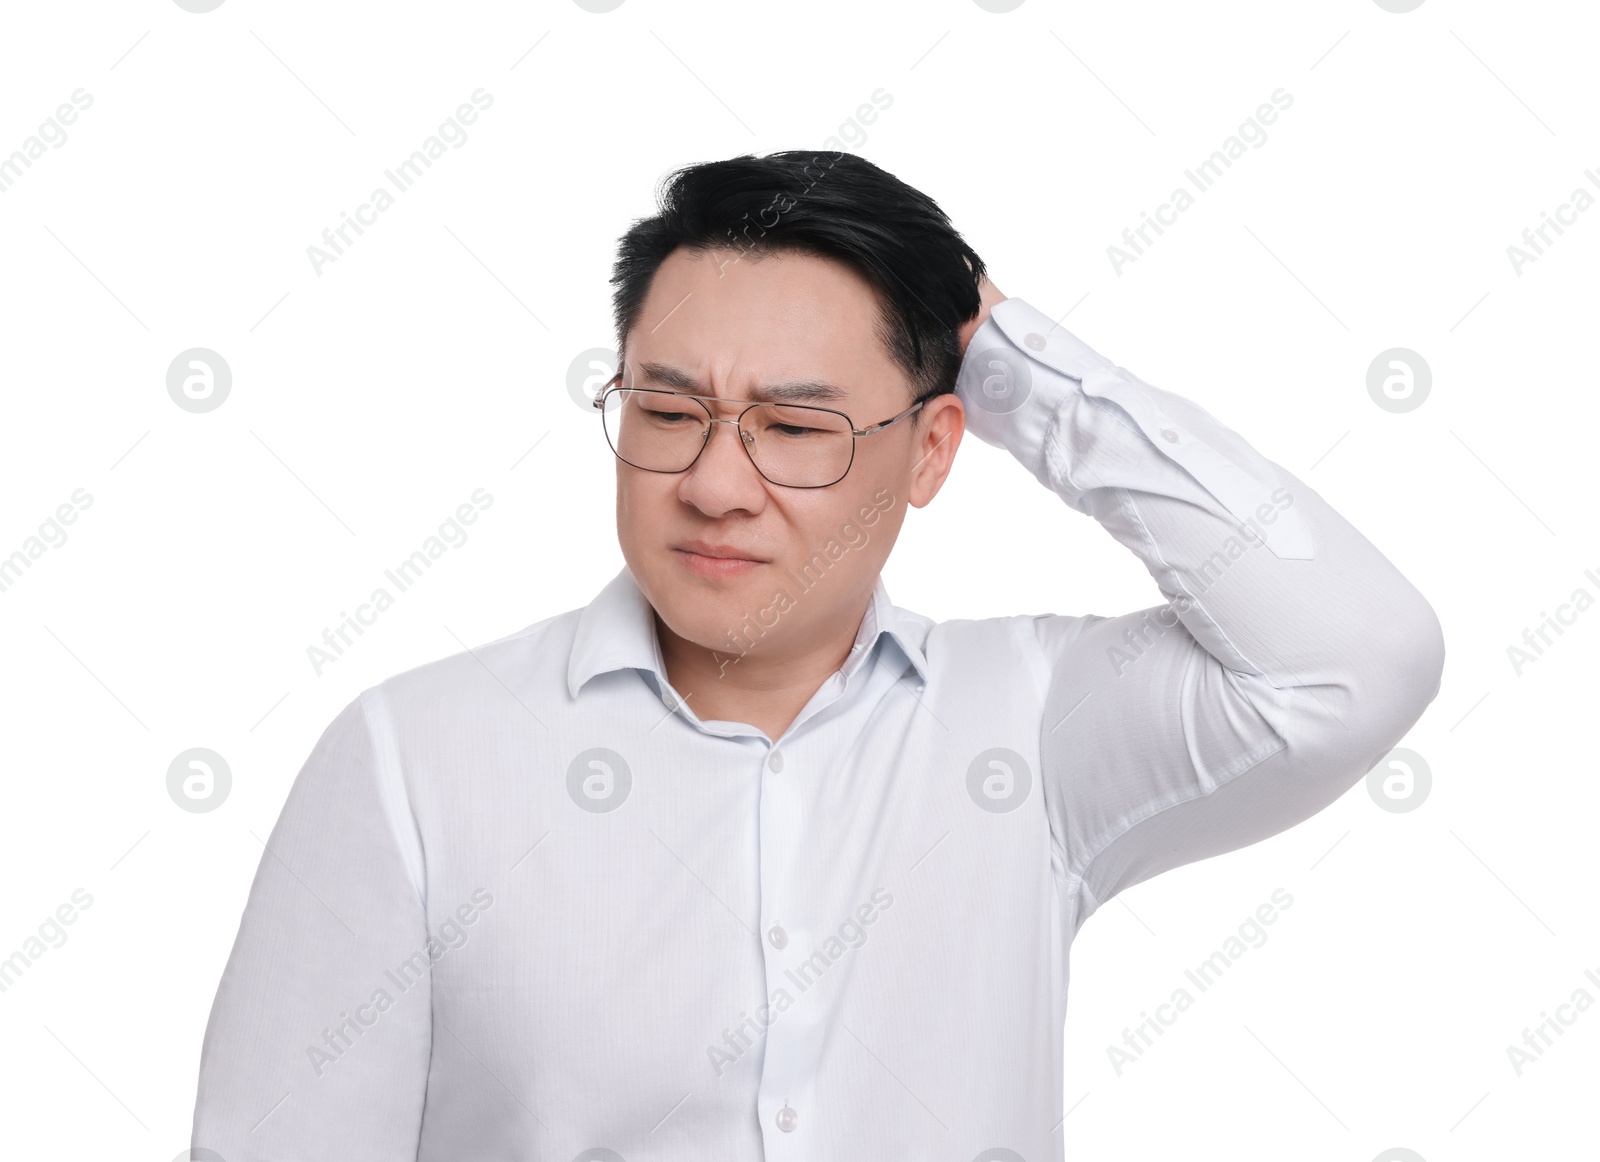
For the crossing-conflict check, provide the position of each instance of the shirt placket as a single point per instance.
(787, 1067)
(786, 1101)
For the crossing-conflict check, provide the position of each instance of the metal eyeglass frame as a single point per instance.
(612, 385)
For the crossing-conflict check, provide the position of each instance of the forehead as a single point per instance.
(651, 373)
(785, 326)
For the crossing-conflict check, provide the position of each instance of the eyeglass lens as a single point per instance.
(791, 445)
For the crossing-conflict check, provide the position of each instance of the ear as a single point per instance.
(938, 435)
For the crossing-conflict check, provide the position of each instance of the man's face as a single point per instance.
(733, 327)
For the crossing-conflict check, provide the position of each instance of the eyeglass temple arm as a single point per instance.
(604, 387)
(867, 431)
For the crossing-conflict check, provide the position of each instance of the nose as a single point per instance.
(732, 426)
(723, 477)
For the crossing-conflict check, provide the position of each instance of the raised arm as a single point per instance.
(319, 1037)
(1289, 654)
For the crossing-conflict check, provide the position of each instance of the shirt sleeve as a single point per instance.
(1288, 657)
(319, 1037)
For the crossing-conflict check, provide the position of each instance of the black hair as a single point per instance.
(830, 205)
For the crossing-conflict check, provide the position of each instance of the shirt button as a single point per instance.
(779, 938)
(1033, 341)
(775, 761)
(787, 1119)
(1169, 435)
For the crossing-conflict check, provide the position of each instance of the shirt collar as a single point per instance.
(616, 631)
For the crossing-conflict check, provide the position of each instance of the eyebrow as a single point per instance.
(789, 391)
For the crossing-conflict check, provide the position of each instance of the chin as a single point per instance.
(714, 611)
(706, 621)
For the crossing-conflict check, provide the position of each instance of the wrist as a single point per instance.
(988, 295)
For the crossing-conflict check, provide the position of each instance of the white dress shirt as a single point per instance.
(523, 904)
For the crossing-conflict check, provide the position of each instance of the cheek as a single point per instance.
(836, 522)
(636, 499)
(633, 522)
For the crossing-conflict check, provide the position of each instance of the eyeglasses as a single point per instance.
(791, 445)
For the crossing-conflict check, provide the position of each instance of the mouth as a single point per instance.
(709, 560)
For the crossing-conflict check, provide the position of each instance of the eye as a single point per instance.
(666, 417)
(795, 430)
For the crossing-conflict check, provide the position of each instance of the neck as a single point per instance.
(766, 686)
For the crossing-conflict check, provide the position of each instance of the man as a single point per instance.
(741, 860)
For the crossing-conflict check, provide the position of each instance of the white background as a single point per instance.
(369, 400)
